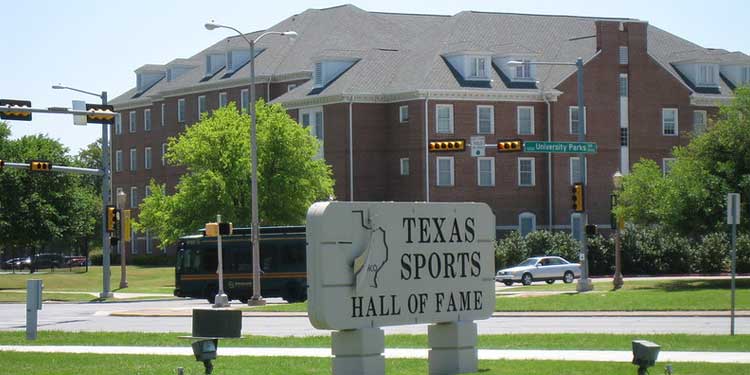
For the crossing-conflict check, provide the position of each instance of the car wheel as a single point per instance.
(526, 279)
(568, 277)
(508, 283)
(551, 281)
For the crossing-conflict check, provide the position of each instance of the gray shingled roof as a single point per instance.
(404, 52)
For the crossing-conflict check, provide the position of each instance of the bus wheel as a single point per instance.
(211, 292)
(244, 300)
(295, 293)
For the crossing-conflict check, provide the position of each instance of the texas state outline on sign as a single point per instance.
(367, 265)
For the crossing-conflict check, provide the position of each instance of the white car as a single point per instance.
(547, 269)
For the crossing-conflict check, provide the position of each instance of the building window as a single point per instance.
(523, 70)
(118, 161)
(403, 114)
(444, 171)
(201, 105)
(291, 87)
(404, 166)
(133, 159)
(486, 171)
(163, 154)
(575, 226)
(163, 113)
(624, 85)
(318, 75)
(133, 199)
(313, 118)
(132, 125)
(479, 67)
(444, 116)
(147, 158)
(118, 125)
(666, 165)
(623, 136)
(181, 110)
(623, 55)
(669, 123)
(706, 75)
(147, 120)
(575, 170)
(133, 240)
(745, 75)
(149, 249)
(699, 122)
(526, 172)
(526, 223)
(245, 100)
(485, 119)
(573, 120)
(525, 119)
(222, 99)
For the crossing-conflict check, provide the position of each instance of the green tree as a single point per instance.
(216, 155)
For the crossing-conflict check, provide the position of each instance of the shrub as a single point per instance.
(601, 255)
(712, 254)
(510, 250)
(743, 253)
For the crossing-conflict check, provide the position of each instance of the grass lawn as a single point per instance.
(75, 364)
(140, 280)
(676, 342)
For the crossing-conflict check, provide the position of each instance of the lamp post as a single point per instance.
(256, 299)
(121, 198)
(584, 284)
(106, 199)
(617, 280)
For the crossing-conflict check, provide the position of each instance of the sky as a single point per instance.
(97, 45)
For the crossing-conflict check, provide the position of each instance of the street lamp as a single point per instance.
(106, 179)
(584, 284)
(121, 199)
(256, 299)
(617, 280)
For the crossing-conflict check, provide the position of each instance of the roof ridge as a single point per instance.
(554, 15)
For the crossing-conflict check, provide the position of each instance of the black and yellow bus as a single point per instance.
(282, 263)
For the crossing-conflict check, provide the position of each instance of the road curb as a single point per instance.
(510, 314)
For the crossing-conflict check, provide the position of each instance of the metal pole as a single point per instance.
(106, 292)
(256, 299)
(734, 258)
(123, 255)
(584, 284)
(221, 299)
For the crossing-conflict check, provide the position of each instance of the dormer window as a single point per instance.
(517, 70)
(707, 75)
(214, 63)
(318, 74)
(144, 79)
(523, 71)
(326, 71)
(746, 75)
(478, 67)
(237, 58)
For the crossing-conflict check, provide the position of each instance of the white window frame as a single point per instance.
(533, 171)
(449, 107)
(574, 160)
(201, 105)
(706, 75)
(700, 128)
(623, 88)
(478, 67)
(570, 119)
(118, 161)
(133, 159)
(492, 171)
(118, 124)
(518, 119)
(318, 75)
(245, 100)
(524, 68)
(576, 216)
(664, 122)
(525, 215)
(181, 110)
(163, 114)
(223, 99)
(133, 199)
(147, 119)
(437, 170)
(664, 163)
(404, 166)
(313, 118)
(147, 158)
(403, 114)
(624, 57)
(132, 122)
(492, 119)
(163, 154)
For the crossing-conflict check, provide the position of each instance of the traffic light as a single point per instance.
(453, 145)
(40, 165)
(591, 230)
(2, 164)
(100, 114)
(578, 203)
(113, 216)
(510, 145)
(19, 114)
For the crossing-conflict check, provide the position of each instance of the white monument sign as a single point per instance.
(371, 265)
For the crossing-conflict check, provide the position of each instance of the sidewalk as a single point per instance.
(485, 354)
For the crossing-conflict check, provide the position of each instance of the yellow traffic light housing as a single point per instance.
(578, 198)
(2, 164)
(113, 216)
(100, 114)
(40, 166)
(452, 145)
(18, 112)
(509, 145)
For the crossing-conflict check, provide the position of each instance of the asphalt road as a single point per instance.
(94, 317)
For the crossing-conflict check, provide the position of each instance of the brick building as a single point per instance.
(375, 88)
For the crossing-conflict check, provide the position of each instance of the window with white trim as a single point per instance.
(526, 223)
(525, 120)
(699, 122)
(133, 197)
(526, 171)
(669, 121)
(575, 226)
(147, 120)
(403, 114)
(404, 163)
(485, 119)
(575, 170)
(133, 159)
(245, 100)
(523, 70)
(181, 110)
(133, 122)
(223, 99)
(444, 173)
(118, 125)
(313, 118)
(118, 161)
(478, 67)
(444, 114)
(201, 105)
(163, 154)
(149, 248)
(666, 165)
(623, 136)
(147, 158)
(133, 240)
(623, 55)
(318, 75)
(707, 75)
(486, 171)
(163, 113)
(624, 85)
(745, 75)
(573, 119)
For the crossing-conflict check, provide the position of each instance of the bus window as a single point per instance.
(208, 260)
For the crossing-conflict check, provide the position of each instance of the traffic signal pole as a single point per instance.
(584, 283)
(106, 200)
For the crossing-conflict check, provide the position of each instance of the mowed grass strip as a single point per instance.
(140, 279)
(674, 342)
(93, 364)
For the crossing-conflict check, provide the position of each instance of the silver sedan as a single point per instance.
(547, 269)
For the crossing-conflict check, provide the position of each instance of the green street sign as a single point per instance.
(560, 147)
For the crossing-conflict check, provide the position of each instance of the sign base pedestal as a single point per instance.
(453, 348)
(358, 352)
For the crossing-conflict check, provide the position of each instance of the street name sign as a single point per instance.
(560, 147)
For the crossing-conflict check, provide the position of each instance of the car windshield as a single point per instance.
(528, 262)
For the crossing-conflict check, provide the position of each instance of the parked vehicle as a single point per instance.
(75, 261)
(12, 263)
(547, 269)
(45, 260)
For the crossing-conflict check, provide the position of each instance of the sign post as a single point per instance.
(372, 265)
(733, 218)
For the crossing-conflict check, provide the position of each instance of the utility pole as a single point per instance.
(584, 283)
